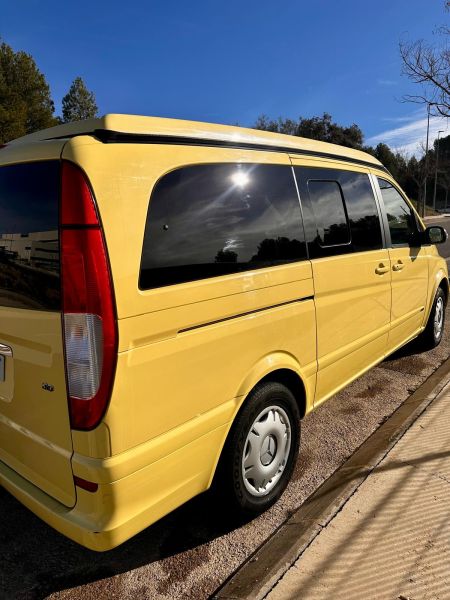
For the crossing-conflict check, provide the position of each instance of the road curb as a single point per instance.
(260, 572)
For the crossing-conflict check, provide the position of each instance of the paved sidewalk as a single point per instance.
(391, 540)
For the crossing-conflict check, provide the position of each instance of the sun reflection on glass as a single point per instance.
(241, 179)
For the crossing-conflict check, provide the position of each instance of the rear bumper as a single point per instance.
(120, 509)
(64, 520)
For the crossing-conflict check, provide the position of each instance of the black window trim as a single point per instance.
(375, 192)
(381, 211)
(344, 205)
(301, 212)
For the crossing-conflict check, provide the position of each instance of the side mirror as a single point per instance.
(435, 235)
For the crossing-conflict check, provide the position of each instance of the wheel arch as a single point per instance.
(293, 382)
(438, 279)
(445, 287)
(285, 372)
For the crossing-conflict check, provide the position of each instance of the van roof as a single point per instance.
(134, 128)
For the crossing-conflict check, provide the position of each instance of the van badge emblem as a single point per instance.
(48, 387)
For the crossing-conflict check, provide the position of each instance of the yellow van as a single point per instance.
(175, 297)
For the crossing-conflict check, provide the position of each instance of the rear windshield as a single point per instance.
(29, 241)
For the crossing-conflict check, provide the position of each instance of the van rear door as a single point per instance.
(35, 434)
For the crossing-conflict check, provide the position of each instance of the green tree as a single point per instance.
(25, 102)
(79, 103)
(321, 128)
(393, 161)
(287, 126)
(414, 178)
(326, 130)
(440, 171)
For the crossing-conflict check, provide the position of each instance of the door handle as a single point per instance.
(398, 267)
(381, 269)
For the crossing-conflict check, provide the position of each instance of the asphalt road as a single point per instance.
(189, 553)
(444, 249)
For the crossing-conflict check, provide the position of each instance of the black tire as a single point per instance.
(239, 492)
(432, 335)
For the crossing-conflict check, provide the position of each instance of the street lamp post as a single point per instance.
(436, 170)
(426, 160)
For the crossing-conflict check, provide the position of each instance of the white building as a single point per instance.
(39, 249)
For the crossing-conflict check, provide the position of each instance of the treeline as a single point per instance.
(26, 104)
(409, 171)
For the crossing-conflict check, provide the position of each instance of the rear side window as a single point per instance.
(29, 241)
(401, 220)
(210, 220)
(340, 212)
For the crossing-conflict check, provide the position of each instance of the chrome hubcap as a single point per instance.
(266, 451)
(438, 318)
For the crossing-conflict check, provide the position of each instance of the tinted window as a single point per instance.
(340, 203)
(362, 212)
(402, 224)
(210, 220)
(29, 243)
(328, 207)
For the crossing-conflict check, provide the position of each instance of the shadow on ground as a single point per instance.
(36, 560)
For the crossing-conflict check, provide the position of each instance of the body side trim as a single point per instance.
(245, 314)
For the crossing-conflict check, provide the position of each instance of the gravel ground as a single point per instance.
(189, 553)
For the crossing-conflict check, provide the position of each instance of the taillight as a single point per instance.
(90, 332)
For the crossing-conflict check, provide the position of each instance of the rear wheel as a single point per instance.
(261, 450)
(432, 335)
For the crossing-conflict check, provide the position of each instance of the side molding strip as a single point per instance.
(250, 312)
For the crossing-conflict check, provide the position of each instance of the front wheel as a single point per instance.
(261, 450)
(433, 332)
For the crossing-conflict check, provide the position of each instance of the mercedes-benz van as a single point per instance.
(175, 297)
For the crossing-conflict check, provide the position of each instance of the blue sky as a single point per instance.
(230, 61)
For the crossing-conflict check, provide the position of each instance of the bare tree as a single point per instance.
(429, 67)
